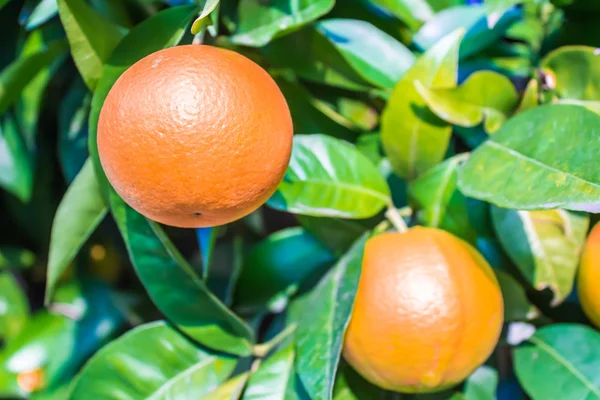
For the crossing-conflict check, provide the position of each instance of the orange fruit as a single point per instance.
(588, 277)
(428, 312)
(195, 136)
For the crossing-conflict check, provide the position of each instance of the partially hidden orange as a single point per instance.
(195, 136)
(428, 312)
(588, 277)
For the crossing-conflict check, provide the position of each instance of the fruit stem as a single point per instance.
(396, 219)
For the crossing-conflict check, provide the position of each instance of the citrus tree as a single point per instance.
(428, 231)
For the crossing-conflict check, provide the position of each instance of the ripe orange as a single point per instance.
(428, 312)
(195, 136)
(588, 277)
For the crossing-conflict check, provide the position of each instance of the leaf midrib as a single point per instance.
(566, 363)
(169, 383)
(516, 154)
(348, 186)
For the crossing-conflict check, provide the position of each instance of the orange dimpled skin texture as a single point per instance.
(195, 136)
(428, 312)
(588, 279)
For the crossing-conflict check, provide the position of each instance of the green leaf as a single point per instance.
(16, 169)
(495, 9)
(485, 95)
(14, 308)
(3, 3)
(530, 98)
(520, 168)
(269, 382)
(57, 344)
(376, 56)
(207, 238)
(277, 266)
(45, 10)
(23, 70)
(482, 384)
(79, 213)
(315, 58)
(15, 258)
(175, 287)
(471, 18)
(259, 22)
(73, 128)
(309, 116)
(411, 12)
(562, 362)
(544, 245)
(151, 361)
(413, 137)
(349, 385)
(576, 72)
(324, 316)
(202, 20)
(335, 233)
(164, 29)
(92, 38)
(31, 99)
(516, 305)
(440, 203)
(329, 177)
(230, 390)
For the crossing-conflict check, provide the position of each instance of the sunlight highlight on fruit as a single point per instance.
(195, 136)
(428, 312)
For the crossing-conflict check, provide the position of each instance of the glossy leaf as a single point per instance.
(16, 169)
(91, 37)
(482, 384)
(336, 234)
(73, 128)
(413, 137)
(576, 72)
(17, 75)
(202, 20)
(471, 18)
(495, 9)
(56, 345)
(412, 12)
(520, 168)
(260, 22)
(277, 266)
(349, 385)
(377, 57)
(530, 98)
(79, 213)
(329, 177)
(312, 56)
(206, 239)
(161, 268)
(14, 308)
(324, 316)
(164, 29)
(269, 382)
(45, 10)
(485, 96)
(440, 203)
(31, 100)
(561, 361)
(545, 245)
(308, 116)
(516, 305)
(151, 361)
(230, 390)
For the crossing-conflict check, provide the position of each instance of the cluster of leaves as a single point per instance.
(476, 118)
